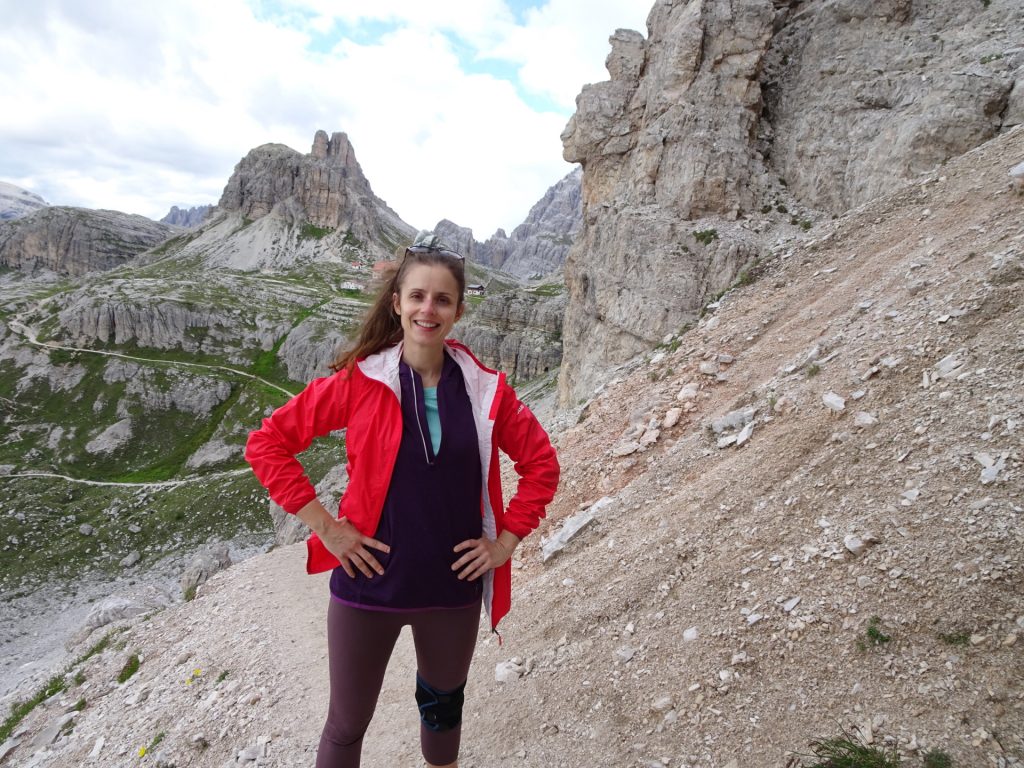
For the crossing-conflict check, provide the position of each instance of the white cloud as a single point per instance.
(138, 107)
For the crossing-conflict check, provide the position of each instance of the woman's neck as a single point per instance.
(427, 362)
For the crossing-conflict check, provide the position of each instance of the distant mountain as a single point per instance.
(73, 241)
(16, 202)
(537, 247)
(187, 217)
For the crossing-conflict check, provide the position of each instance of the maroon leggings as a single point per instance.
(359, 645)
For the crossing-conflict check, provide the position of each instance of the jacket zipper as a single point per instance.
(416, 410)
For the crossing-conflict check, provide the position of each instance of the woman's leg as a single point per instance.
(359, 644)
(445, 640)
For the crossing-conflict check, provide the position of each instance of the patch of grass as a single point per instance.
(845, 752)
(813, 370)
(130, 668)
(805, 224)
(781, 208)
(766, 208)
(79, 705)
(873, 635)
(548, 289)
(991, 57)
(190, 593)
(222, 676)
(310, 231)
(936, 758)
(52, 687)
(955, 638)
(705, 236)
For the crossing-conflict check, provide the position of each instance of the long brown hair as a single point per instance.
(381, 327)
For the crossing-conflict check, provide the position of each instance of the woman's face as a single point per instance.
(428, 304)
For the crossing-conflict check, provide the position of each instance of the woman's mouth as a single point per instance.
(426, 325)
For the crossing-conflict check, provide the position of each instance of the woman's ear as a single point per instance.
(396, 304)
(459, 311)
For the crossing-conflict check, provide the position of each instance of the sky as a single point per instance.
(454, 107)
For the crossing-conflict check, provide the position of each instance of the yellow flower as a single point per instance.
(142, 751)
(197, 672)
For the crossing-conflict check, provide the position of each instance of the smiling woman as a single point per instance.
(422, 536)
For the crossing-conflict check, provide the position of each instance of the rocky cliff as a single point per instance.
(537, 247)
(187, 217)
(73, 241)
(518, 332)
(16, 202)
(282, 207)
(729, 112)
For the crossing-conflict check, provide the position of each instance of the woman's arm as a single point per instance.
(321, 408)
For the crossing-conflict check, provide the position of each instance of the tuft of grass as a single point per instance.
(813, 370)
(873, 635)
(79, 705)
(845, 752)
(53, 686)
(130, 668)
(955, 638)
(310, 231)
(937, 758)
(222, 676)
(705, 236)
(781, 208)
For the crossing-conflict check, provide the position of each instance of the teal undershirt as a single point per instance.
(433, 417)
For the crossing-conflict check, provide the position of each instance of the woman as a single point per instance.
(422, 536)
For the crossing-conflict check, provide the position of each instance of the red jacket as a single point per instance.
(366, 402)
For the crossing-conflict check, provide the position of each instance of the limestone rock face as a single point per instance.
(726, 103)
(859, 96)
(73, 241)
(187, 217)
(325, 188)
(16, 202)
(516, 332)
(538, 246)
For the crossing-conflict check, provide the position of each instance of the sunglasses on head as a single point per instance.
(420, 249)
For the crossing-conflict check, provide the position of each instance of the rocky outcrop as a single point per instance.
(74, 241)
(16, 202)
(538, 246)
(727, 105)
(323, 194)
(517, 332)
(858, 97)
(187, 217)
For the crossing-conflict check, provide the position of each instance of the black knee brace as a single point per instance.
(439, 710)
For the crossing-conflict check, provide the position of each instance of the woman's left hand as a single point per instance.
(482, 555)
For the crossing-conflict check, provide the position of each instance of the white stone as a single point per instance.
(691, 634)
(733, 420)
(671, 418)
(507, 671)
(709, 367)
(833, 401)
(572, 526)
(625, 449)
(662, 704)
(790, 604)
(688, 392)
(745, 434)
(864, 419)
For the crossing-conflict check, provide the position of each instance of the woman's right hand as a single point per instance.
(345, 542)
